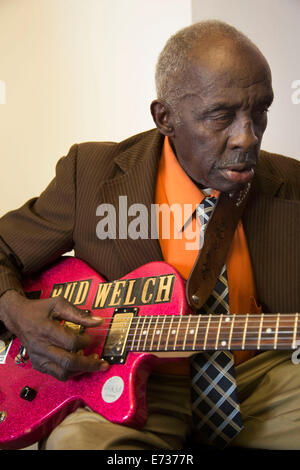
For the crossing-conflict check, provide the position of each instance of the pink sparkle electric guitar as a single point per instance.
(147, 320)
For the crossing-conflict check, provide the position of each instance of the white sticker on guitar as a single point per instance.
(4, 348)
(112, 389)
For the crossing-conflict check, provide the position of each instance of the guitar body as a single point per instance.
(118, 394)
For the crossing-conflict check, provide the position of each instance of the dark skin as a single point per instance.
(223, 110)
(52, 348)
(223, 115)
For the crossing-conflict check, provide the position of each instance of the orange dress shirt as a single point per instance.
(179, 244)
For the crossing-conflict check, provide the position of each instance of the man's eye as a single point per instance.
(219, 120)
(222, 117)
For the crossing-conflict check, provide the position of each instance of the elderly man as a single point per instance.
(213, 94)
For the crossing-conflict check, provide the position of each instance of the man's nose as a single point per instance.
(243, 136)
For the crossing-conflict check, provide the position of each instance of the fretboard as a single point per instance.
(167, 333)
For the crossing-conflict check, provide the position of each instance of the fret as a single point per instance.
(286, 331)
(161, 333)
(186, 332)
(294, 344)
(177, 332)
(136, 329)
(269, 332)
(225, 331)
(191, 333)
(196, 333)
(206, 333)
(218, 332)
(146, 330)
(247, 335)
(170, 327)
(153, 333)
(245, 331)
(141, 335)
(260, 330)
(276, 331)
(231, 331)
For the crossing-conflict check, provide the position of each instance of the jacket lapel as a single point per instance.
(131, 194)
(272, 225)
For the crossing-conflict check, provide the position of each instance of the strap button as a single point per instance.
(28, 393)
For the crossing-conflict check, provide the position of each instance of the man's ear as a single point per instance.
(162, 116)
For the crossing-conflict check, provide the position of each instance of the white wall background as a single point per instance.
(75, 70)
(274, 25)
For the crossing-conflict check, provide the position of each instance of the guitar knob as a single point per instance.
(22, 356)
(28, 393)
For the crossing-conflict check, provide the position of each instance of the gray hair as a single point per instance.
(174, 59)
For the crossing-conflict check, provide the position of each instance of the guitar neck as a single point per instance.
(189, 333)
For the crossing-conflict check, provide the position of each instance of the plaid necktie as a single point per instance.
(215, 407)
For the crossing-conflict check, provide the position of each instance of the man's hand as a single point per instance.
(51, 347)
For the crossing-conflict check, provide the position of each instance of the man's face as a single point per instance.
(223, 115)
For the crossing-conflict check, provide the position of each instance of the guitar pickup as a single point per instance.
(114, 351)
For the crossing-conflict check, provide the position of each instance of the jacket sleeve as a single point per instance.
(42, 229)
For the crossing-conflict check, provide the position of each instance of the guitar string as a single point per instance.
(130, 346)
(168, 320)
(213, 318)
(182, 329)
(182, 335)
(185, 328)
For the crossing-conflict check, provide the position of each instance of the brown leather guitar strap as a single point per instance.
(218, 236)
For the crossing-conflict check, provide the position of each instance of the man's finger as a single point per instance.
(76, 362)
(70, 363)
(66, 338)
(63, 310)
(48, 367)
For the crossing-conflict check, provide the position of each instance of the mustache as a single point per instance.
(239, 160)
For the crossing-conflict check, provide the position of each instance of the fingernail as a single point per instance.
(104, 365)
(85, 312)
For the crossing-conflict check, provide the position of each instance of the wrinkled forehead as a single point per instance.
(225, 65)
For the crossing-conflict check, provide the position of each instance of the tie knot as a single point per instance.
(205, 209)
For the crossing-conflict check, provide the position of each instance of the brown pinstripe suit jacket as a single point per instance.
(64, 217)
